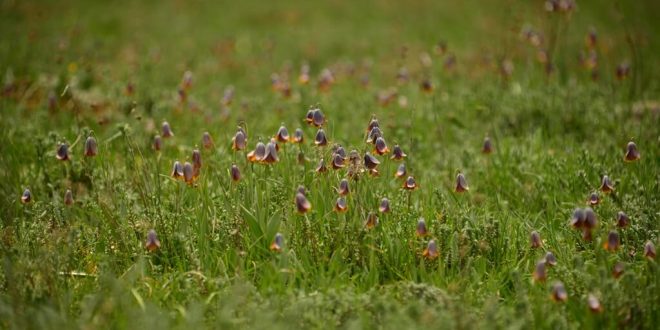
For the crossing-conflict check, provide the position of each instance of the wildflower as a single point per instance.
(372, 220)
(649, 250)
(343, 187)
(303, 78)
(91, 148)
(298, 136)
(278, 243)
(318, 119)
(578, 219)
(618, 269)
(239, 141)
(207, 141)
(403, 76)
(632, 154)
(594, 304)
(26, 197)
(186, 81)
(613, 243)
(271, 153)
(535, 239)
(177, 170)
(461, 183)
(622, 70)
(188, 173)
(487, 147)
(590, 220)
(426, 85)
(68, 198)
(309, 118)
(167, 130)
(235, 173)
(321, 167)
(63, 152)
(606, 185)
(320, 139)
(282, 135)
(550, 259)
(397, 153)
(380, 146)
(559, 293)
(410, 183)
(591, 39)
(152, 241)
(372, 123)
(228, 96)
(340, 205)
(302, 204)
(539, 274)
(370, 162)
(196, 162)
(157, 143)
(301, 190)
(593, 199)
(374, 134)
(338, 161)
(622, 220)
(326, 80)
(400, 171)
(258, 154)
(421, 228)
(384, 206)
(431, 251)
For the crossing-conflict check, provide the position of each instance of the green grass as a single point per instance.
(86, 266)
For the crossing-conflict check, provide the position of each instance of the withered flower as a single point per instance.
(282, 134)
(622, 220)
(540, 274)
(207, 141)
(26, 197)
(487, 147)
(298, 136)
(535, 239)
(235, 173)
(594, 304)
(341, 205)
(397, 153)
(343, 188)
(258, 154)
(618, 269)
(167, 130)
(431, 251)
(91, 148)
(372, 220)
(152, 243)
(302, 204)
(188, 173)
(278, 243)
(593, 199)
(421, 228)
(271, 153)
(400, 171)
(321, 167)
(461, 183)
(578, 218)
(632, 154)
(649, 250)
(606, 185)
(158, 143)
(320, 140)
(68, 198)
(177, 170)
(559, 293)
(380, 146)
(63, 152)
(410, 183)
(550, 259)
(613, 243)
(384, 206)
(239, 141)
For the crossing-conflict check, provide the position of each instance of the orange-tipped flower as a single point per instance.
(593, 199)
(487, 147)
(578, 218)
(535, 239)
(278, 243)
(177, 170)
(188, 173)
(431, 251)
(380, 147)
(410, 183)
(397, 153)
(239, 141)
(421, 230)
(68, 198)
(372, 220)
(235, 173)
(341, 205)
(343, 188)
(271, 153)
(282, 135)
(321, 168)
(63, 152)
(167, 130)
(632, 154)
(370, 162)
(384, 206)
(303, 78)
(606, 185)
(152, 243)
(540, 273)
(461, 183)
(207, 141)
(309, 118)
(320, 139)
(196, 162)
(622, 220)
(157, 143)
(550, 259)
(26, 197)
(618, 269)
(91, 148)
(298, 136)
(612, 243)
(559, 293)
(649, 250)
(594, 304)
(338, 161)
(401, 171)
(302, 204)
(258, 154)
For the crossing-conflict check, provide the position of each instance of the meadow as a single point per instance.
(303, 164)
